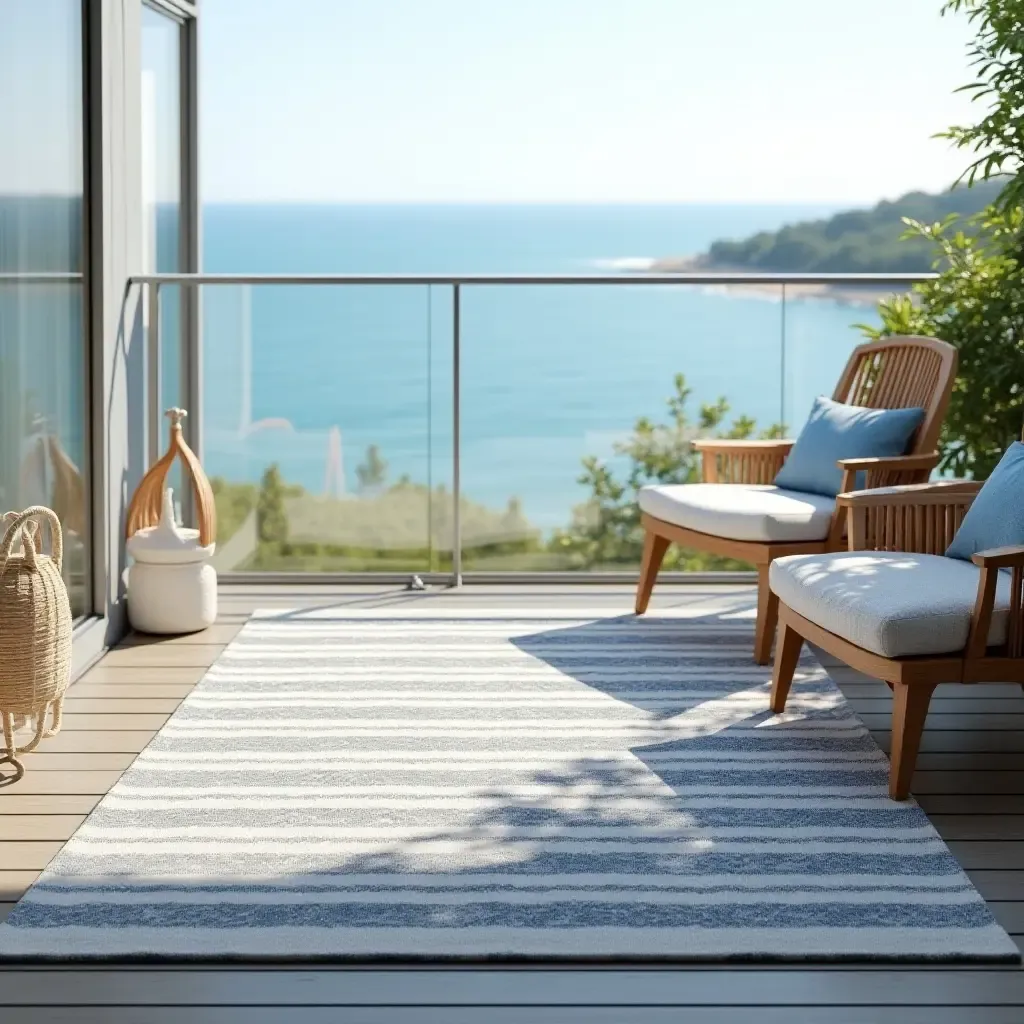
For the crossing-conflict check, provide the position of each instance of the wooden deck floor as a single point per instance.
(971, 783)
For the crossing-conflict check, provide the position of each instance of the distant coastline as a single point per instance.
(846, 295)
(852, 241)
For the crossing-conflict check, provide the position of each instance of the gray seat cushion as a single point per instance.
(896, 605)
(757, 512)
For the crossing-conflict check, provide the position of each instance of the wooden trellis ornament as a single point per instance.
(147, 502)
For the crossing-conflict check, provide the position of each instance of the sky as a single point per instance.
(578, 100)
(40, 125)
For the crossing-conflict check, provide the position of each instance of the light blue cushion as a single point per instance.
(996, 516)
(836, 431)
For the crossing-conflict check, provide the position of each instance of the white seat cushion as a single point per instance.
(896, 605)
(758, 512)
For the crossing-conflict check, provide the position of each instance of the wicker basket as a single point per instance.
(35, 630)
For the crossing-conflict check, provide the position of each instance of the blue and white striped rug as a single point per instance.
(411, 784)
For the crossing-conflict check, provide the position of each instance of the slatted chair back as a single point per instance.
(903, 373)
(924, 525)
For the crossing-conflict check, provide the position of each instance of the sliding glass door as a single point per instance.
(44, 435)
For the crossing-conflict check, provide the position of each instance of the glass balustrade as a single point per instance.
(331, 431)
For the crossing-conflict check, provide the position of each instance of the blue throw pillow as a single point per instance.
(996, 516)
(836, 431)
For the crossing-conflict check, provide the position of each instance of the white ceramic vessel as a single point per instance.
(172, 588)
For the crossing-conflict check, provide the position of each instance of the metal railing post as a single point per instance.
(782, 361)
(456, 436)
(153, 368)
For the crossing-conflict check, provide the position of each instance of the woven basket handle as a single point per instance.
(18, 521)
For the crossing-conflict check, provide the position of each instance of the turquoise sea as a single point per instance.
(309, 377)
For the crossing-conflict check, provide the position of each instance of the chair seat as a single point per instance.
(752, 512)
(894, 604)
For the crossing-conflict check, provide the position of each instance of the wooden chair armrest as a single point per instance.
(918, 518)
(888, 471)
(728, 444)
(991, 562)
(928, 460)
(730, 461)
(938, 492)
(1000, 558)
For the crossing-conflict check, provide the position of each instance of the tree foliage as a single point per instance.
(235, 502)
(373, 472)
(271, 518)
(977, 301)
(853, 241)
(996, 140)
(976, 304)
(402, 527)
(605, 529)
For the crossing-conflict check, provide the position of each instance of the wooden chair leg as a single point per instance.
(655, 547)
(787, 654)
(909, 711)
(767, 618)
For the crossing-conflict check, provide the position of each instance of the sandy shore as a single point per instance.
(850, 295)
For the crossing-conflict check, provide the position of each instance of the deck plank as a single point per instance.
(967, 722)
(105, 741)
(115, 705)
(990, 782)
(163, 656)
(221, 633)
(46, 759)
(36, 782)
(75, 722)
(18, 802)
(40, 826)
(979, 826)
(873, 689)
(147, 675)
(952, 742)
(960, 803)
(516, 1015)
(966, 705)
(972, 761)
(523, 987)
(999, 885)
(141, 690)
(22, 855)
(14, 883)
(983, 853)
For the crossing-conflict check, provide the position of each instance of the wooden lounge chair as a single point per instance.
(894, 607)
(739, 513)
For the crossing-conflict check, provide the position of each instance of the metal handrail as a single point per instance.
(191, 347)
(623, 278)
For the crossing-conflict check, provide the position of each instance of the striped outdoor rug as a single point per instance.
(424, 784)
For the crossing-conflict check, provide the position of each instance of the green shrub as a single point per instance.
(976, 304)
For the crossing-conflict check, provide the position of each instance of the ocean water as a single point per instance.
(310, 377)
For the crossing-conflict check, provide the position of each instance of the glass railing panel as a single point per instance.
(172, 385)
(317, 416)
(172, 391)
(570, 401)
(823, 325)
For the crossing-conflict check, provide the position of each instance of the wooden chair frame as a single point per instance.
(921, 519)
(897, 373)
